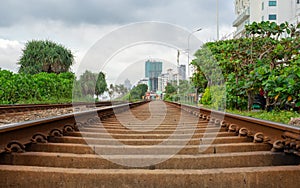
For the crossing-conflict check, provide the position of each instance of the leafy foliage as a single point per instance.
(92, 84)
(170, 89)
(264, 61)
(118, 89)
(101, 85)
(138, 91)
(49, 87)
(276, 116)
(206, 98)
(87, 82)
(42, 87)
(45, 56)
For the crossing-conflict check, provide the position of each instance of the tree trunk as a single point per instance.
(250, 95)
(268, 105)
(236, 96)
(197, 93)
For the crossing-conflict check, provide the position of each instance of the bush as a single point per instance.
(206, 97)
(38, 88)
(215, 97)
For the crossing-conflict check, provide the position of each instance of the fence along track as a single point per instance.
(245, 152)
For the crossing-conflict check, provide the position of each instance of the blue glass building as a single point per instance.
(152, 71)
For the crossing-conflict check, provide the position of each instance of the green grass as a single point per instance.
(48, 101)
(276, 116)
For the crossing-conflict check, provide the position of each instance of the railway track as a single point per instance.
(18, 113)
(154, 144)
(32, 107)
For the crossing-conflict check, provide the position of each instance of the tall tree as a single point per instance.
(138, 91)
(101, 85)
(111, 91)
(88, 83)
(121, 89)
(45, 56)
(170, 89)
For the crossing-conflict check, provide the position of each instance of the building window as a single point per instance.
(262, 18)
(262, 6)
(298, 1)
(272, 17)
(272, 3)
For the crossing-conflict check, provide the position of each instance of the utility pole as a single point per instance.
(218, 29)
(178, 54)
(188, 63)
(188, 50)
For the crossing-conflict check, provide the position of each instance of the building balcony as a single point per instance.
(242, 17)
(239, 33)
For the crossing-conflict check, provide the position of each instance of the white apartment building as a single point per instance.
(169, 76)
(279, 11)
(163, 81)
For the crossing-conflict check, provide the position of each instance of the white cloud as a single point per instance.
(10, 52)
(9, 44)
(76, 38)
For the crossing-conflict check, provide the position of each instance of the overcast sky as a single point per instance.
(79, 24)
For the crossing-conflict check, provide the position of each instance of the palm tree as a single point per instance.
(45, 56)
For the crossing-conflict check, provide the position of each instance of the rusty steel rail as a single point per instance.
(15, 136)
(282, 137)
(153, 144)
(32, 107)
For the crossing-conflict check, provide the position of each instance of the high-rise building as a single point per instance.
(127, 84)
(153, 84)
(279, 11)
(170, 74)
(182, 72)
(153, 70)
(163, 80)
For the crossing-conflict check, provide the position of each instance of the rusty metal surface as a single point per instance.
(264, 177)
(62, 152)
(283, 137)
(23, 131)
(31, 107)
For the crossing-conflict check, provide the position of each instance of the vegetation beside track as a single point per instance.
(282, 116)
(265, 63)
(45, 77)
(48, 88)
(37, 88)
(260, 71)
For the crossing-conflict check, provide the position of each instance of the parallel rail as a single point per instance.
(31, 107)
(283, 137)
(22, 133)
(209, 149)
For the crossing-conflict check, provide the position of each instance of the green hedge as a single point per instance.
(38, 88)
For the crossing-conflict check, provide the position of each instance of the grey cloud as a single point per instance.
(189, 13)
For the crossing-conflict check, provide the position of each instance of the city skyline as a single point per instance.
(157, 81)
